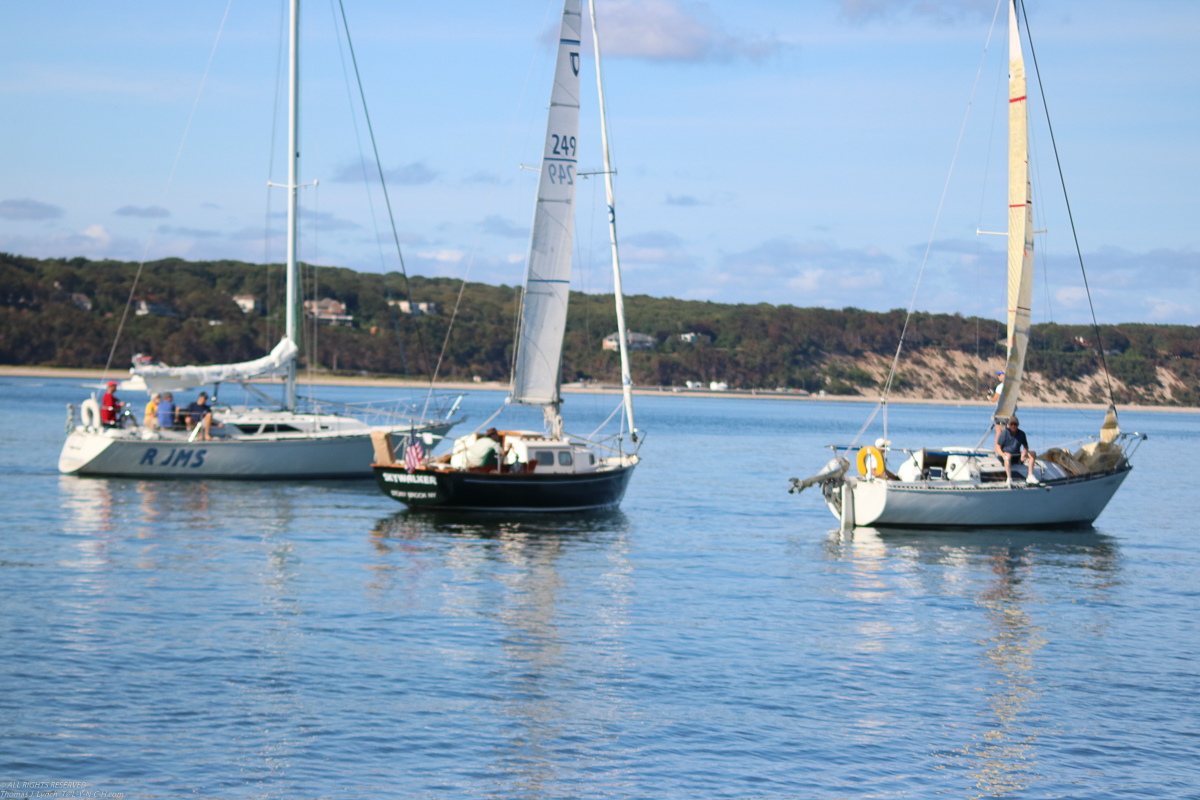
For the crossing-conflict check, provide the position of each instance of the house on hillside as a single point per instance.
(248, 303)
(81, 301)
(145, 307)
(327, 310)
(415, 309)
(635, 341)
(695, 338)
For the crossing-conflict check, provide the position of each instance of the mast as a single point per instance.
(618, 296)
(1020, 224)
(293, 180)
(537, 372)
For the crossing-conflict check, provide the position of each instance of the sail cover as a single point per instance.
(548, 277)
(174, 379)
(1020, 224)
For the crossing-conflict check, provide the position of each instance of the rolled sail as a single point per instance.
(548, 277)
(176, 379)
(1020, 224)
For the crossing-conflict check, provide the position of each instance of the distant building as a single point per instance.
(81, 301)
(718, 386)
(635, 341)
(415, 309)
(695, 338)
(248, 303)
(145, 307)
(327, 310)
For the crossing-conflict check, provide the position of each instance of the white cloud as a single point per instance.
(668, 30)
(445, 256)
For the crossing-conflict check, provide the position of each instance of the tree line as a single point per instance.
(45, 321)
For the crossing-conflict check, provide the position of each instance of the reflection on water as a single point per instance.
(1007, 574)
(537, 613)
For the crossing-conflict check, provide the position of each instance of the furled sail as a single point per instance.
(1020, 224)
(175, 379)
(548, 277)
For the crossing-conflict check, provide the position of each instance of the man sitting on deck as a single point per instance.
(485, 451)
(110, 407)
(1010, 441)
(199, 413)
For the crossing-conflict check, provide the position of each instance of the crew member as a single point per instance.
(485, 451)
(110, 407)
(994, 397)
(200, 413)
(150, 418)
(1010, 441)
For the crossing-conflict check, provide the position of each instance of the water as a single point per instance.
(714, 638)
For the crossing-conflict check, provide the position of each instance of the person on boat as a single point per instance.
(994, 397)
(485, 451)
(110, 407)
(166, 411)
(150, 418)
(1010, 441)
(200, 413)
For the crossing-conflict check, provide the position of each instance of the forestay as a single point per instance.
(174, 379)
(548, 278)
(1020, 224)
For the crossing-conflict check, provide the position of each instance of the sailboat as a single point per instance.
(292, 439)
(548, 470)
(970, 486)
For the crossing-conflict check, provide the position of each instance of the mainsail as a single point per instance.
(175, 379)
(548, 278)
(1020, 224)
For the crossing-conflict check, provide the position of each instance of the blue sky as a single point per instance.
(766, 151)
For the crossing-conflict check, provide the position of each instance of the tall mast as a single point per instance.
(622, 336)
(293, 187)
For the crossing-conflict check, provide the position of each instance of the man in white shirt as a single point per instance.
(485, 451)
(995, 396)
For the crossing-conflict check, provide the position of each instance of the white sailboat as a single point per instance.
(546, 470)
(284, 441)
(969, 486)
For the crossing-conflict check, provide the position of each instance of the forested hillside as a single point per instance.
(45, 320)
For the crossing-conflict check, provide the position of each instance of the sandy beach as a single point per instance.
(595, 388)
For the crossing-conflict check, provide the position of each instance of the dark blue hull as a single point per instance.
(474, 491)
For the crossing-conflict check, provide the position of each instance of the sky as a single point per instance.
(766, 151)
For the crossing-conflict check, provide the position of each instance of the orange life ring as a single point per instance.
(869, 450)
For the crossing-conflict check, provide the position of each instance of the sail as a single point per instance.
(175, 379)
(548, 277)
(1020, 224)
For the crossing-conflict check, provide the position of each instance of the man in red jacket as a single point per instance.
(110, 407)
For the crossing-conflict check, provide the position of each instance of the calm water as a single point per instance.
(715, 638)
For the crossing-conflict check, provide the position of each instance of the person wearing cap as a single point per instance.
(1010, 441)
(168, 414)
(994, 397)
(110, 407)
(199, 413)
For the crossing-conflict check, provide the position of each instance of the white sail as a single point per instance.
(548, 277)
(1020, 224)
(176, 379)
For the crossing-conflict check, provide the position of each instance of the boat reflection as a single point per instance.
(1008, 575)
(507, 571)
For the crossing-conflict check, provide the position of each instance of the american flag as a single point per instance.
(414, 454)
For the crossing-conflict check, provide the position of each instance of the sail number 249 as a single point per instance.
(562, 173)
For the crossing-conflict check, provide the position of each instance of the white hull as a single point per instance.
(281, 456)
(1065, 501)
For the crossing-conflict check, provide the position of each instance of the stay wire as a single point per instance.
(170, 178)
(1062, 179)
(383, 183)
(362, 160)
(887, 386)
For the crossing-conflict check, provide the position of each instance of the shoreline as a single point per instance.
(575, 388)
